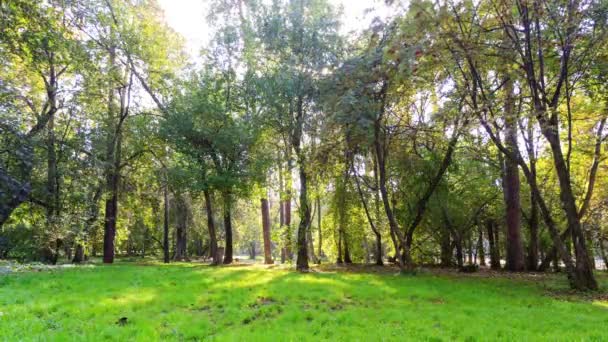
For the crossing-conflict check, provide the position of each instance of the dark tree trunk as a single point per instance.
(459, 251)
(533, 220)
(533, 244)
(199, 247)
(111, 212)
(494, 252)
(109, 233)
(320, 231)
(282, 212)
(339, 260)
(470, 250)
(311, 247)
(79, 254)
(446, 249)
(287, 227)
(181, 229)
(266, 231)
(347, 259)
(252, 251)
(166, 257)
(480, 250)
(378, 254)
(515, 252)
(584, 273)
(228, 227)
(296, 141)
(302, 259)
(52, 185)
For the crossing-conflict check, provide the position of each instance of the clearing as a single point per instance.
(145, 302)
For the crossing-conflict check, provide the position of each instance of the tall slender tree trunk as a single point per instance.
(533, 221)
(480, 250)
(166, 257)
(228, 227)
(494, 251)
(266, 231)
(181, 229)
(296, 142)
(515, 250)
(302, 259)
(339, 259)
(446, 249)
(282, 210)
(320, 231)
(287, 217)
(347, 259)
(52, 189)
(311, 247)
(584, 273)
(213, 250)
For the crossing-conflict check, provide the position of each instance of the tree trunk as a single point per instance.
(287, 226)
(494, 252)
(347, 259)
(79, 254)
(302, 259)
(311, 247)
(534, 219)
(228, 227)
(199, 247)
(584, 273)
(446, 249)
(339, 260)
(480, 250)
(252, 251)
(166, 221)
(109, 233)
(320, 231)
(266, 231)
(282, 211)
(515, 252)
(470, 250)
(181, 228)
(459, 252)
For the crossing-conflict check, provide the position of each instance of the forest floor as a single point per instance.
(188, 301)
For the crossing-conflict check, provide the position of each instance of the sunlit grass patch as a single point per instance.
(195, 302)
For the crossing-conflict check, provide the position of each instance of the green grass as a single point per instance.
(194, 302)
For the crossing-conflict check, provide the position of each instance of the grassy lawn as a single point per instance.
(195, 302)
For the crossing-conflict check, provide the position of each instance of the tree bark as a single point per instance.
(347, 259)
(266, 231)
(494, 251)
(166, 257)
(228, 227)
(79, 254)
(445, 259)
(302, 259)
(515, 251)
(181, 229)
(320, 231)
(213, 249)
(480, 250)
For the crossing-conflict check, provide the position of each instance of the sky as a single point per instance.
(187, 17)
